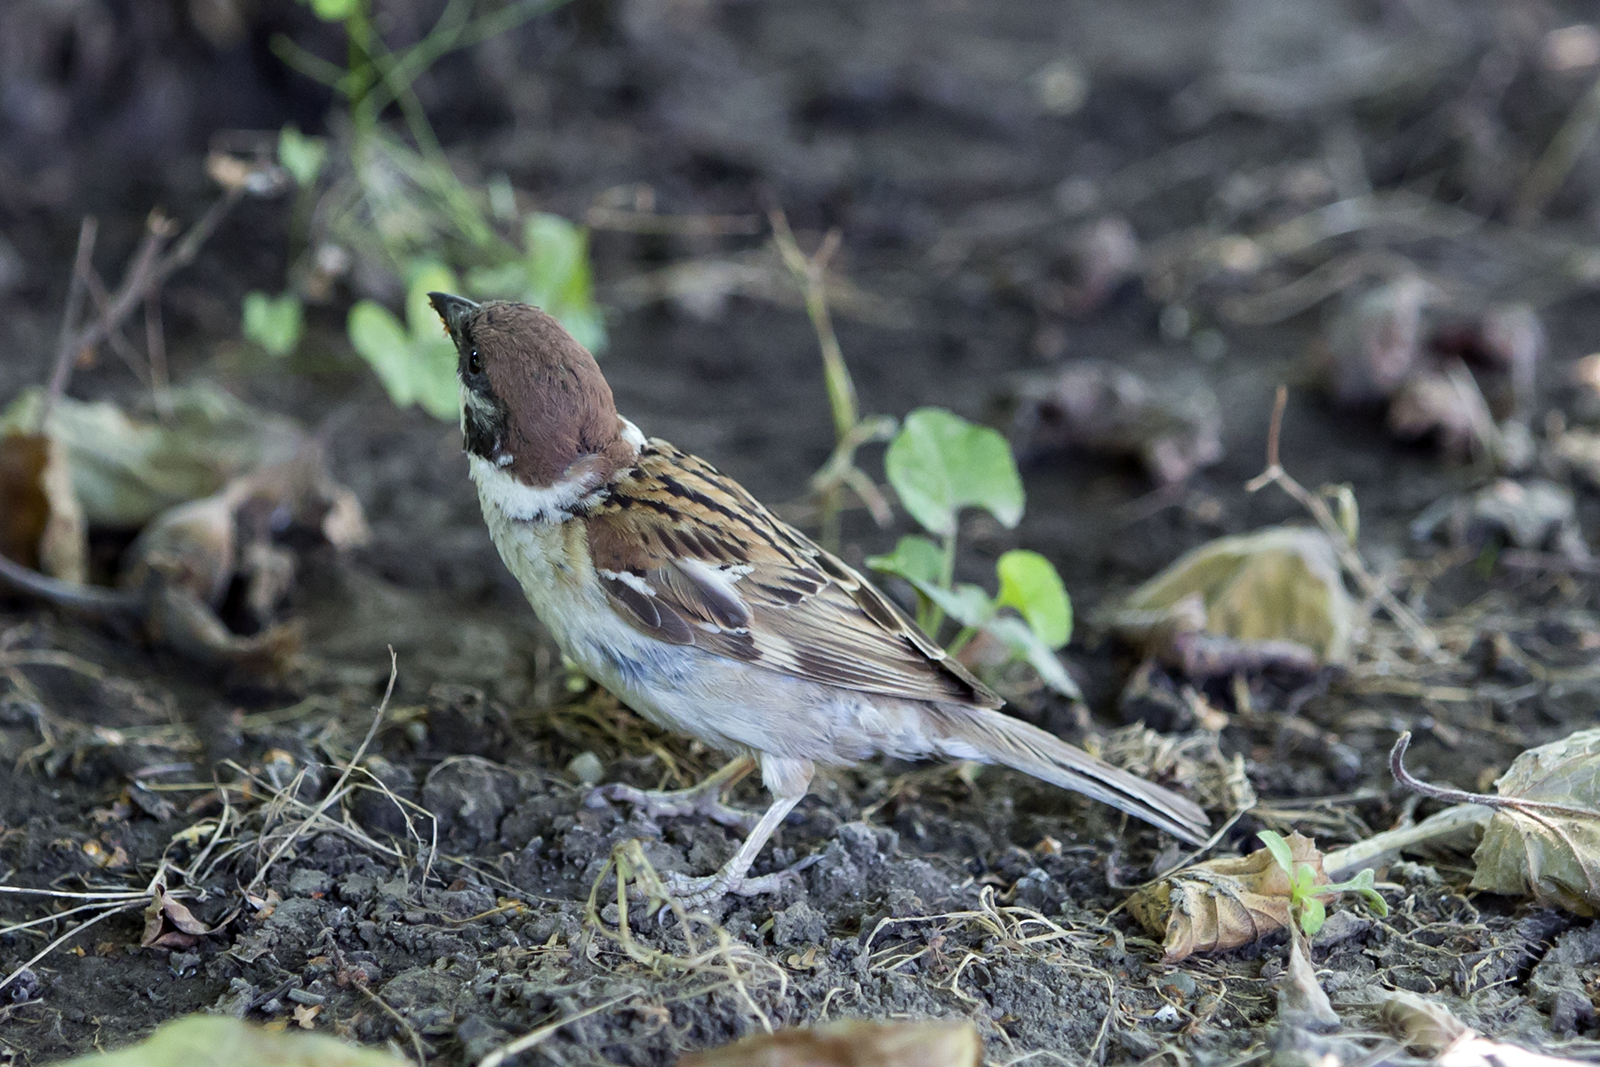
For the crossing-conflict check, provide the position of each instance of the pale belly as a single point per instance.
(729, 704)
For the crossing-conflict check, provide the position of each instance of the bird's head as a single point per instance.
(534, 404)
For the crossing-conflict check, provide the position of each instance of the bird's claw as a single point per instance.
(690, 893)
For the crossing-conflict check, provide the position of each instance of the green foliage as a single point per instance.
(334, 10)
(940, 463)
(1305, 903)
(303, 157)
(273, 322)
(416, 362)
(398, 207)
(1029, 583)
(552, 273)
(916, 559)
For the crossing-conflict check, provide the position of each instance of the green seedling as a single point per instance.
(850, 429)
(552, 273)
(302, 156)
(273, 322)
(399, 208)
(939, 464)
(1305, 896)
(415, 361)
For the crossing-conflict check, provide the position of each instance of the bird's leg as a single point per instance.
(787, 780)
(702, 799)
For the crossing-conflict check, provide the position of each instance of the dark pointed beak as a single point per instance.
(452, 309)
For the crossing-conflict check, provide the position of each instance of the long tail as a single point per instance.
(993, 737)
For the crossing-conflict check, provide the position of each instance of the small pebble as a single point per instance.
(587, 768)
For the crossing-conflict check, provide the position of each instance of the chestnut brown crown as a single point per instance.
(533, 400)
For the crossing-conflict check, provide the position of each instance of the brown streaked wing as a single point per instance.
(724, 574)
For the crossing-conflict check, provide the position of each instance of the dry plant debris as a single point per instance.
(1533, 514)
(1173, 428)
(1544, 841)
(252, 477)
(1429, 1029)
(852, 1043)
(1395, 344)
(1224, 903)
(41, 524)
(1273, 596)
(127, 465)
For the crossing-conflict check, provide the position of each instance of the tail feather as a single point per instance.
(994, 737)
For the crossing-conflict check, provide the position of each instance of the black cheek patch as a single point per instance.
(483, 432)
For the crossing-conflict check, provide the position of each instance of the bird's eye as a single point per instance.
(474, 364)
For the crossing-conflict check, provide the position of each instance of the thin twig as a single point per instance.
(66, 350)
(537, 1035)
(417, 1047)
(69, 935)
(155, 345)
(338, 787)
(119, 344)
(1397, 767)
(1556, 163)
(150, 270)
(1421, 636)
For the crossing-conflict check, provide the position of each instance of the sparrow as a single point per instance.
(673, 587)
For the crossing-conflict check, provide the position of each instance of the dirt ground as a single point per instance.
(446, 913)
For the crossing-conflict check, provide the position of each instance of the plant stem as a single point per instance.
(947, 577)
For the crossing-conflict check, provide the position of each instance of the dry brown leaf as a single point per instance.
(41, 525)
(1548, 849)
(169, 924)
(1222, 904)
(852, 1043)
(1281, 585)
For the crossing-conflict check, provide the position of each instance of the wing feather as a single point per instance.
(699, 561)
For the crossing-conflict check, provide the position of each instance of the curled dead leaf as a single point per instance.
(41, 524)
(1275, 594)
(1548, 846)
(1224, 903)
(169, 924)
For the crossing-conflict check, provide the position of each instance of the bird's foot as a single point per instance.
(704, 799)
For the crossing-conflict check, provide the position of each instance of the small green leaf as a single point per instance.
(1346, 511)
(940, 463)
(380, 340)
(334, 10)
(274, 323)
(1312, 915)
(433, 373)
(301, 156)
(1279, 848)
(914, 558)
(1029, 583)
(552, 274)
(558, 256)
(967, 604)
(1024, 643)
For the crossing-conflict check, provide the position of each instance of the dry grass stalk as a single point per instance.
(1415, 629)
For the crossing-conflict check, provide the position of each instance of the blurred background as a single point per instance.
(1109, 231)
